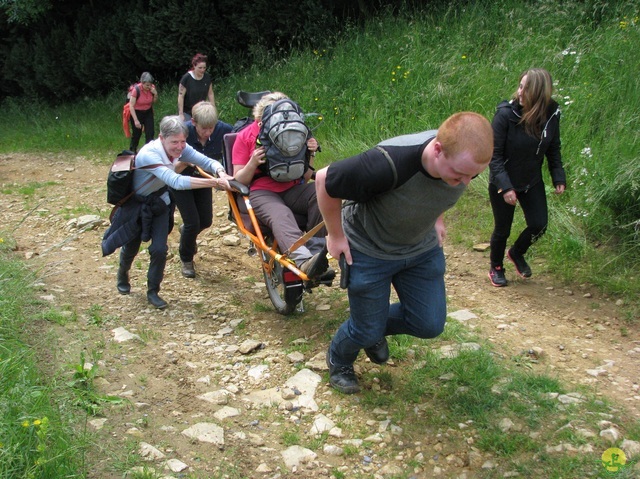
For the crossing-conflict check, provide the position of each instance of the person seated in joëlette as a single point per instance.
(275, 203)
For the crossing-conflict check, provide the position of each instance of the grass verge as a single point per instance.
(461, 398)
(36, 439)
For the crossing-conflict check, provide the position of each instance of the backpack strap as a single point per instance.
(149, 180)
(136, 87)
(391, 164)
(126, 198)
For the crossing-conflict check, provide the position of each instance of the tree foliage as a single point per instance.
(58, 49)
(24, 11)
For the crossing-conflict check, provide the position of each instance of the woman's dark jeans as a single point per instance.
(160, 228)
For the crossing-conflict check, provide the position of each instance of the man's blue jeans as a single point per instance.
(421, 312)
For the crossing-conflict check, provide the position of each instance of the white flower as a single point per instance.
(578, 212)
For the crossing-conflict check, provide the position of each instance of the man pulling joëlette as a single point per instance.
(390, 232)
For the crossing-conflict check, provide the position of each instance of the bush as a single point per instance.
(79, 47)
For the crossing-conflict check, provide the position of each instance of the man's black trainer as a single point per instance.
(342, 378)
(379, 352)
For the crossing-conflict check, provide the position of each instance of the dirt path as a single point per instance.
(192, 348)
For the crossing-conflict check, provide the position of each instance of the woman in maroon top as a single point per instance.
(142, 97)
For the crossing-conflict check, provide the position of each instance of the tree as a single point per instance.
(24, 12)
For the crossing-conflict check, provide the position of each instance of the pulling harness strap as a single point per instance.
(391, 164)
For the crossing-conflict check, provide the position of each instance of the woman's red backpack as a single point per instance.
(126, 113)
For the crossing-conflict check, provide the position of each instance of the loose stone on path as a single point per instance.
(121, 335)
(206, 432)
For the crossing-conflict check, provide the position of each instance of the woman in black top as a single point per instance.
(195, 86)
(525, 129)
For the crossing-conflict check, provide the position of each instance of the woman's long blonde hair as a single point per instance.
(537, 97)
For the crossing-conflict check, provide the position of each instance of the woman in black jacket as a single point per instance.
(525, 129)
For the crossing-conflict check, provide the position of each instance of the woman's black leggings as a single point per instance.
(145, 117)
(534, 206)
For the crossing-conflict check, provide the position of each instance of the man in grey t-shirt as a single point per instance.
(390, 232)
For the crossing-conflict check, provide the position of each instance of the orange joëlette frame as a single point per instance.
(257, 238)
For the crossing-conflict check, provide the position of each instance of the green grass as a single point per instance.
(35, 437)
(81, 384)
(476, 393)
(144, 473)
(58, 316)
(290, 438)
(95, 316)
(27, 190)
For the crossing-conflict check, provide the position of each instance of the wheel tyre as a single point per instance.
(284, 296)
